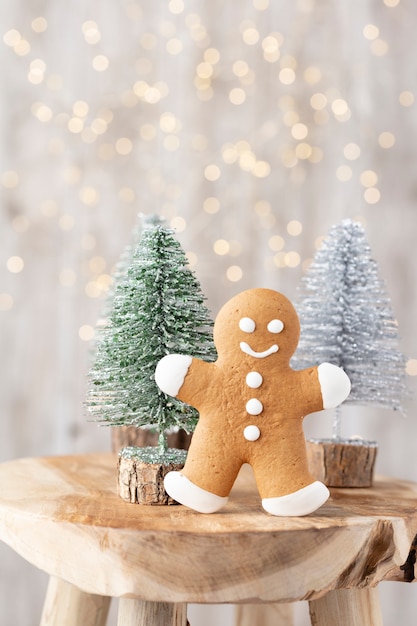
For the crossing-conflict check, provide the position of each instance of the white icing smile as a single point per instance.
(245, 347)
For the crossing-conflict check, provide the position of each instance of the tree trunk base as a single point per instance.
(342, 462)
(141, 473)
(124, 436)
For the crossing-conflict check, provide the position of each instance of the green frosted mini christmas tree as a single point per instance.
(158, 308)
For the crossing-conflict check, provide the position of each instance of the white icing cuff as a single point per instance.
(301, 502)
(185, 492)
(334, 383)
(171, 371)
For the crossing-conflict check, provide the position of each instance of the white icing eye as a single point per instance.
(247, 325)
(275, 326)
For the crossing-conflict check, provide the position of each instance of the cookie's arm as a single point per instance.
(334, 383)
(183, 377)
(171, 372)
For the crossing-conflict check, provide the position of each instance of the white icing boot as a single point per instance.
(301, 502)
(185, 492)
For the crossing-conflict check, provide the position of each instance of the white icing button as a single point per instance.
(247, 325)
(275, 326)
(251, 433)
(254, 406)
(254, 380)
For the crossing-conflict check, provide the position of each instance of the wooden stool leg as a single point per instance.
(134, 612)
(353, 607)
(264, 615)
(65, 605)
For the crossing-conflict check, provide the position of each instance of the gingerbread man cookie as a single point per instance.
(251, 406)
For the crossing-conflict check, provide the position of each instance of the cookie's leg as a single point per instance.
(282, 474)
(185, 492)
(210, 470)
(300, 502)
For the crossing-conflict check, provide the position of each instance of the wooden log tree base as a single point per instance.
(342, 462)
(125, 436)
(54, 510)
(141, 473)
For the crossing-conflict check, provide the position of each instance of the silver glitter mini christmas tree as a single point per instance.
(346, 319)
(157, 308)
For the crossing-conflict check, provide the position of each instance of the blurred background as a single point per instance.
(252, 127)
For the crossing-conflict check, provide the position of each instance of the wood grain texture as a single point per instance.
(54, 511)
(66, 605)
(341, 463)
(143, 483)
(350, 607)
(138, 613)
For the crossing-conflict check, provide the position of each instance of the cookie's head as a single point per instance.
(258, 324)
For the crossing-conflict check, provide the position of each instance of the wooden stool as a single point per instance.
(62, 515)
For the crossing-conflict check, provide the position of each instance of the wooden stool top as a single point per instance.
(62, 515)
